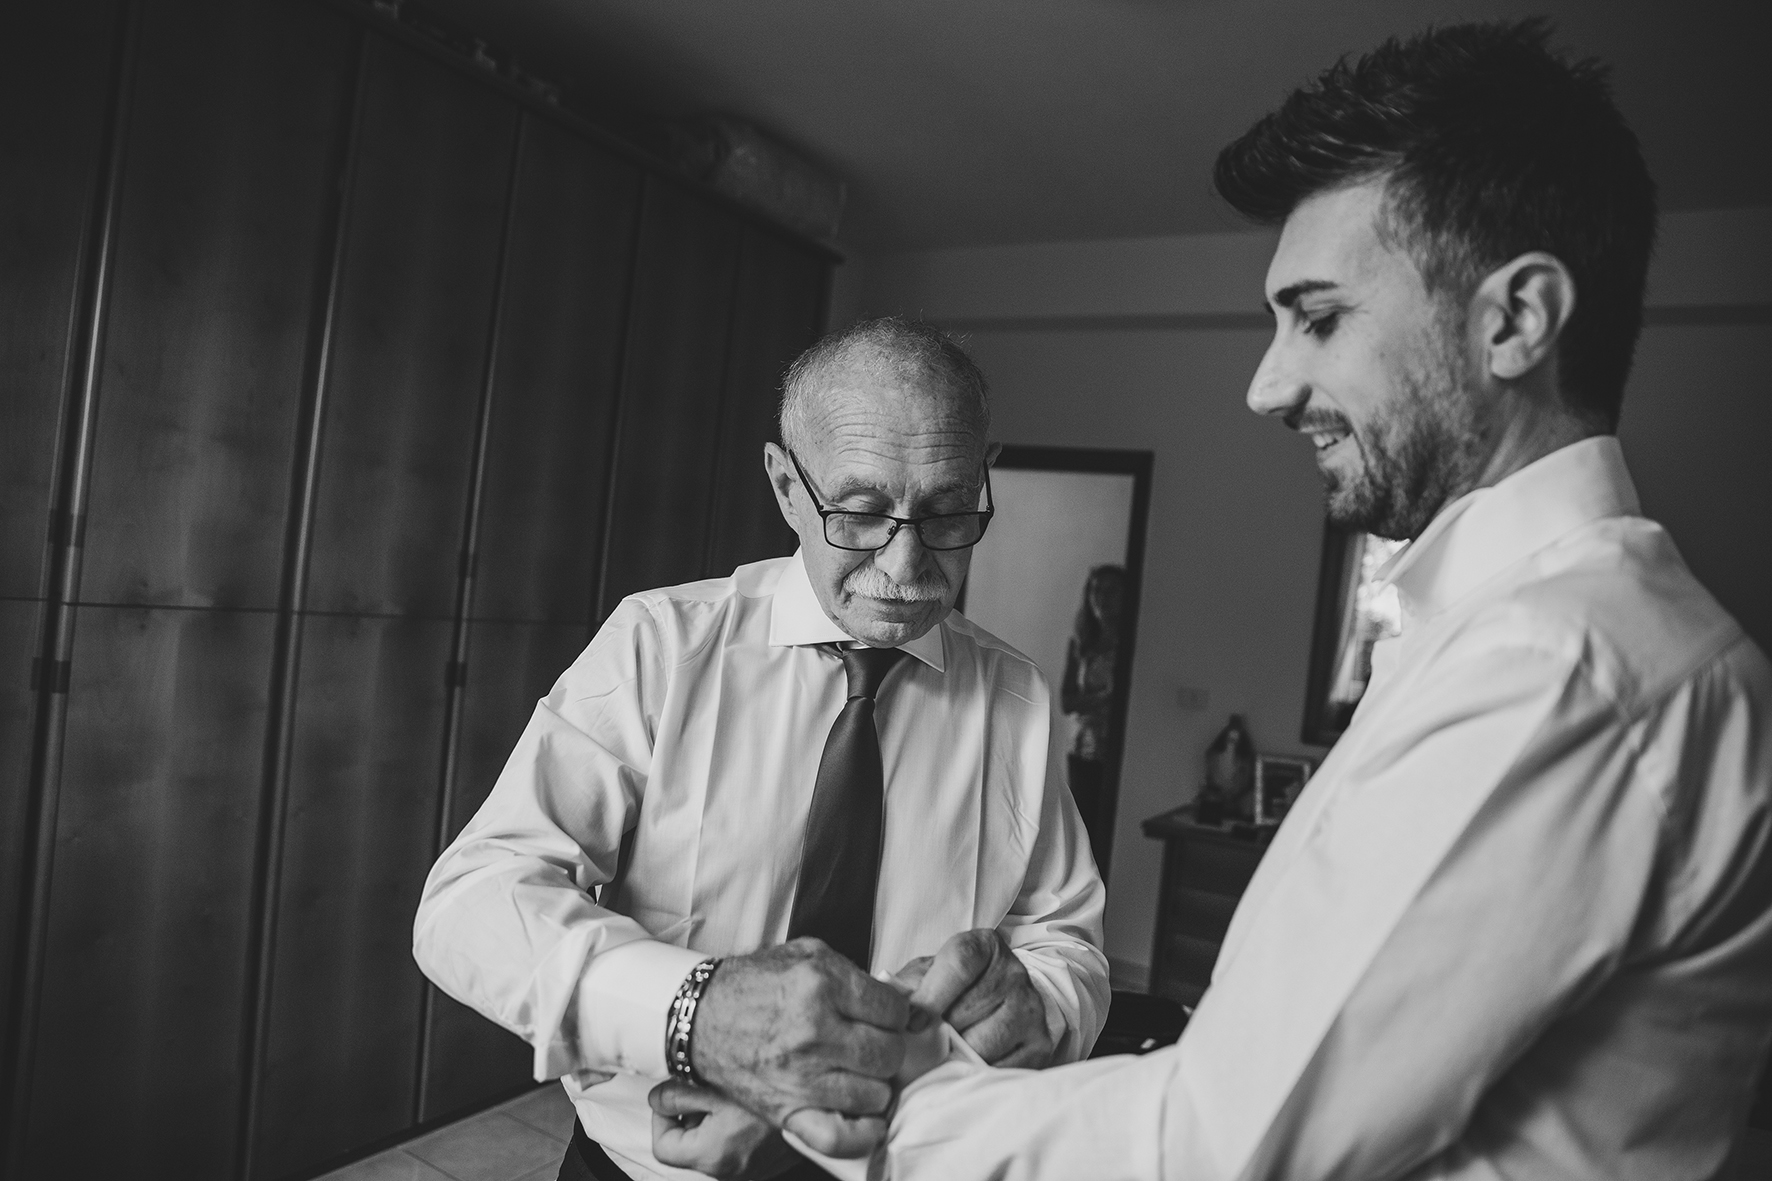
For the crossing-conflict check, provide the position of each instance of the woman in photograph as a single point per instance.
(1087, 695)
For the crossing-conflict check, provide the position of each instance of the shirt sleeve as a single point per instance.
(1475, 871)
(1055, 925)
(507, 924)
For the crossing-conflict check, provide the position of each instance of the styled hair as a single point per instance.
(1490, 145)
(917, 352)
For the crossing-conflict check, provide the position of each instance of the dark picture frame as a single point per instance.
(1068, 596)
(1347, 624)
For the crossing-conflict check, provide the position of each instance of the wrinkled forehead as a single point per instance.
(866, 428)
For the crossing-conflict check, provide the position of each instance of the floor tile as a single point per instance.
(392, 1165)
(546, 1109)
(487, 1147)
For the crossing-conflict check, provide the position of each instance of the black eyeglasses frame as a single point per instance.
(825, 514)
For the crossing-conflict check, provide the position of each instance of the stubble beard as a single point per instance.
(1413, 462)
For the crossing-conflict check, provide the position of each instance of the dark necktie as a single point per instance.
(840, 863)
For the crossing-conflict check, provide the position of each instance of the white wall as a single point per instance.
(1150, 343)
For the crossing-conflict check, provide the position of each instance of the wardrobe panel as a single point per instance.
(361, 818)
(144, 975)
(21, 622)
(55, 98)
(510, 667)
(673, 375)
(473, 1062)
(779, 312)
(232, 139)
(426, 214)
(559, 356)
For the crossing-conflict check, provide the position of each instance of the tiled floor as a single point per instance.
(522, 1140)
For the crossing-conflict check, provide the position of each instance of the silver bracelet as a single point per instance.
(680, 1026)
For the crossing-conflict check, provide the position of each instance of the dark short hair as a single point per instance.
(915, 349)
(1491, 145)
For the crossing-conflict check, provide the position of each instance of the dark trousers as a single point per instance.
(586, 1161)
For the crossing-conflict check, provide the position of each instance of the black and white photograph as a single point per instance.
(899, 590)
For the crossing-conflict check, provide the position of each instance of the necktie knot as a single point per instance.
(866, 669)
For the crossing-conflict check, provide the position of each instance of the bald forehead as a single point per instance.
(865, 392)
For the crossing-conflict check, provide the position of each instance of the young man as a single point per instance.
(1520, 922)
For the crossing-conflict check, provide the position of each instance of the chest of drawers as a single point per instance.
(1205, 870)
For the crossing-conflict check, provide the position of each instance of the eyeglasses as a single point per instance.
(872, 531)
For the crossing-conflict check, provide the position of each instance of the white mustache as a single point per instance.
(872, 583)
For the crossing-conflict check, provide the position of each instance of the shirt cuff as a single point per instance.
(624, 1000)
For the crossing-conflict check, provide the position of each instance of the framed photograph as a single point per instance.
(1058, 576)
(1278, 780)
(1354, 612)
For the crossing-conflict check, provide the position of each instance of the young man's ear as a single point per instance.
(1522, 308)
(782, 480)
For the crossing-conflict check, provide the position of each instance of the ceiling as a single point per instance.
(967, 122)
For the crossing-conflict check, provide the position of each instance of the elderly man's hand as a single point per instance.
(800, 1027)
(985, 993)
(696, 1128)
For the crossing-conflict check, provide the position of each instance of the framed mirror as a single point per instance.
(1058, 576)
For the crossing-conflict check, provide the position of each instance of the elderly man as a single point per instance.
(1520, 923)
(775, 782)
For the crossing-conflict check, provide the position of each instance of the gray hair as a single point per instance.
(915, 351)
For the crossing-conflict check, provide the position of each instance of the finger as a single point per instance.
(1017, 1024)
(835, 1134)
(961, 960)
(672, 1098)
(993, 1038)
(997, 987)
(671, 1142)
(846, 1093)
(911, 975)
(1027, 1056)
(860, 997)
(864, 1049)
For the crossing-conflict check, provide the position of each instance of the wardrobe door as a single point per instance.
(233, 136)
(420, 263)
(232, 124)
(670, 398)
(54, 101)
(470, 1060)
(778, 313)
(542, 505)
(144, 974)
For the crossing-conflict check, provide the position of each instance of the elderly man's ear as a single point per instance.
(991, 451)
(1522, 309)
(782, 479)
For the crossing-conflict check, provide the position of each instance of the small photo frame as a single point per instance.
(1278, 780)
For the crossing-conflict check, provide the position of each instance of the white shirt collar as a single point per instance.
(1485, 531)
(796, 618)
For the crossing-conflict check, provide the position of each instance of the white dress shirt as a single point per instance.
(696, 719)
(1518, 926)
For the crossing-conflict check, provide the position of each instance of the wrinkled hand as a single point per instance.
(799, 1027)
(985, 993)
(696, 1128)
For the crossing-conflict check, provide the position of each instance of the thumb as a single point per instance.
(835, 1134)
(961, 960)
(675, 1098)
